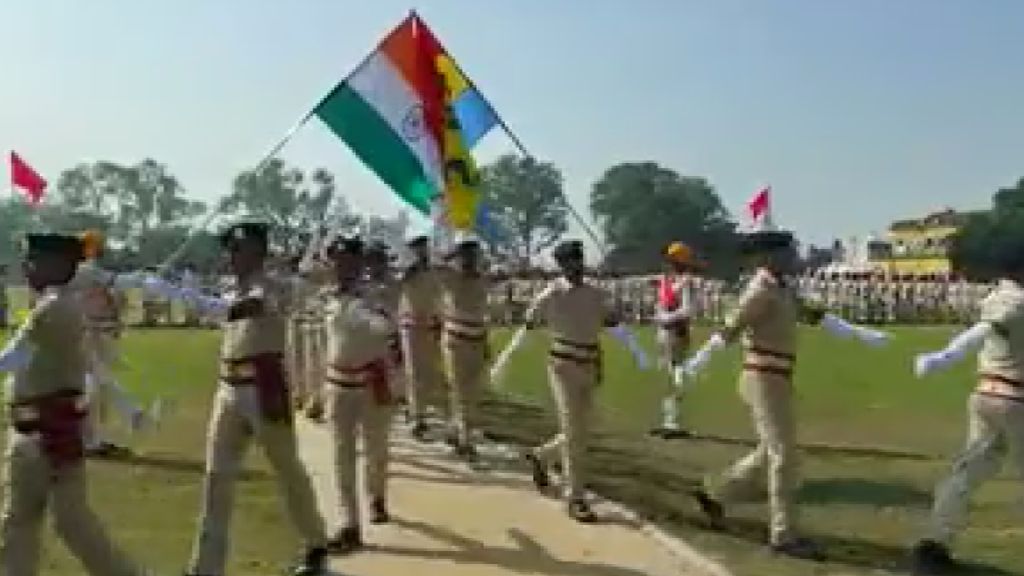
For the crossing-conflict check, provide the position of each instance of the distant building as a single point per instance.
(918, 247)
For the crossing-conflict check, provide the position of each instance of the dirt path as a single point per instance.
(450, 520)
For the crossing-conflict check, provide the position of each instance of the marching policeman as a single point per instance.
(44, 465)
(575, 312)
(382, 293)
(357, 377)
(766, 318)
(253, 401)
(464, 340)
(677, 306)
(103, 301)
(420, 333)
(996, 408)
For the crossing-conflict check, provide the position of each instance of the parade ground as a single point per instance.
(876, 439)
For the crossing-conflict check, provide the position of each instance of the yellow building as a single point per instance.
(918, 247)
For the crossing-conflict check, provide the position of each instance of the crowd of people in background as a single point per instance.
(863, 298)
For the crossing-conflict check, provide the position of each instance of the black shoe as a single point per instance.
(712, 509)
(379, 511)
(541, 479)
(346, 541)
(451, 440)
(419, 432)
(670, 433)
(580, 511)
(467, 452)
(312, 564)
(930, 558)
(802, 548)
(108, 450)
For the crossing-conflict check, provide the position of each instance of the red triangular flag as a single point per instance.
(760, 204)
(24, 177)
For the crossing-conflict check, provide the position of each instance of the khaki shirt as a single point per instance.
(56, 330)
(464, 300)
(1003, 351)
(420, 291)
(356, 334)
(384, 296)
(100, 302)
(573, 314)
(264, 333)
(766, 316)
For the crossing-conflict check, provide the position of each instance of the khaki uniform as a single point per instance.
(102, 306)
(996, 413)
(466, 350)
(767, 315)
(252, 401)
(383, 297)
(420, 290)
(43, 464)
(575, 316)
(357, 377)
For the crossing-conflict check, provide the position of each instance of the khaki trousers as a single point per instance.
(422, 355)
(465, 362)
(353, 412)
(30, 485)
(234, 422)
(770, 398)
(297, 344)
(102, 389)
(572, 385)
(996, 430)
(316, 362)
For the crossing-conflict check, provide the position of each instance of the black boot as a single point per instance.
(346, 541)
(580, 511)
(313, 563)
(379, 511)
(802, 548)
(538, 471)
(712, 509)
(467, 452)
(419, 431)
(930, 558)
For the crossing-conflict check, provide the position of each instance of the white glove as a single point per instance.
(929, 362)
(696, 362)
(628, 339)
(843, 329)
(874, 338)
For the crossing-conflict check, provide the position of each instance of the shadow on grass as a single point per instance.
(863, 491)
(526, 556)
(170, 463)
(655, 484)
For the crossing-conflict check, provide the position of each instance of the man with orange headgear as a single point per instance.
(102, 302)
(677, 303)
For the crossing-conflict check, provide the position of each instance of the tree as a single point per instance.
(525, 199)
(985, 234)
(280, 194)
(127, 202)
(642, 207)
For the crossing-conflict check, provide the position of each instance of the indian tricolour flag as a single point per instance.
(390, 112)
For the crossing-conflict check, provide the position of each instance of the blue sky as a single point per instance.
(856, 111)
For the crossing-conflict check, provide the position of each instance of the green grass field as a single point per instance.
(877, 441)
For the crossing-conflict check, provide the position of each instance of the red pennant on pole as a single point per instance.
(28, 180)
(760, 205)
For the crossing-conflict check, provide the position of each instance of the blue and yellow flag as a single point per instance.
(462, 192)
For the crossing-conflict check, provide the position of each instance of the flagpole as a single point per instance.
(516, 142)
(216, 211)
